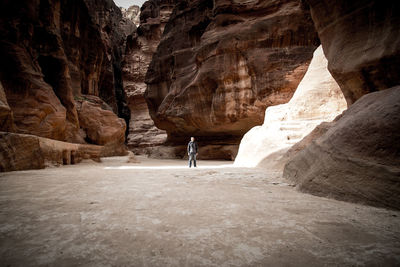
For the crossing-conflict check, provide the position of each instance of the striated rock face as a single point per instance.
(361, 40)
(221, 63)
(54, 51)
(318, 98)
(358, 158)
(140, 47)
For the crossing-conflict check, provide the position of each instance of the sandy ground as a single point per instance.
(160, 213)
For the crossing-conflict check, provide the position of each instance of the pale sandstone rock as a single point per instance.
(358, 158)
(318, 98)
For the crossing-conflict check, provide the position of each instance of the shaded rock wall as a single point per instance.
(141, 45)
(358, 158)
(361, 40)
(318, 98)
(54, 51)
(221, 63)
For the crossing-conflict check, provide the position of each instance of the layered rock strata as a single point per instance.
(358, 158)
(318, 98)
(54, 51)
(221, 63)
(141, 45)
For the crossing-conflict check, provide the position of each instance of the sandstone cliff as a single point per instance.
(53, 52)
(361, 40)
(140, 47)
(221, 63)
(356, 157)
(318, 98)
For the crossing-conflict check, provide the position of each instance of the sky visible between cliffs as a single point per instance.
(128, 3)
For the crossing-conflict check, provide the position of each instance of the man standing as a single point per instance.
(192, 152)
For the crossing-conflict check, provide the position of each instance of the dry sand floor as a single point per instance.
(160, 213)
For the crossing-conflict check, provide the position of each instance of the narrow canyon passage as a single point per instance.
(159, 212)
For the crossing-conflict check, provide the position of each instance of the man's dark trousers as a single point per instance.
(192, 157)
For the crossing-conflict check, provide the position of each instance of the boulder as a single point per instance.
(358, 158)
(318, 98)
(101, 125)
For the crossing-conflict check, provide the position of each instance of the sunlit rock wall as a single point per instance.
(317, 98)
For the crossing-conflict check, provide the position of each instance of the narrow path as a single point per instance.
(120, 214)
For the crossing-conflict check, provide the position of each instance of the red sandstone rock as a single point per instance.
(54, 51)
(361, 40)
(101, 125)
(140, 48)
(358, 158)
(20, 152)
(221, 63)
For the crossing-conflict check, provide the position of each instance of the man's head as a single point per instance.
(192, 139)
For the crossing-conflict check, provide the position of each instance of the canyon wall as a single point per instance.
(318, 98)
(140, 47)
(361, 40)
(54, 54)
(356, 158)
(221, 63)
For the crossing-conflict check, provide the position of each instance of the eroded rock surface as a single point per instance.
(358, 158)
(361, 40)
(54, 51)
(221, 63)
(141, 45)
(318, 98)
(100, 124)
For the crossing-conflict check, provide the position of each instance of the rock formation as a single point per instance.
(317, 98)
(361, 40)
(221, 63)
(53, 52)
(141, 45)
(132, 13)
(358, 158)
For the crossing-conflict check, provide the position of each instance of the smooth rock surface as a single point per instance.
(318, 98)
(221, 63)
(361, 40)
(358, 158)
